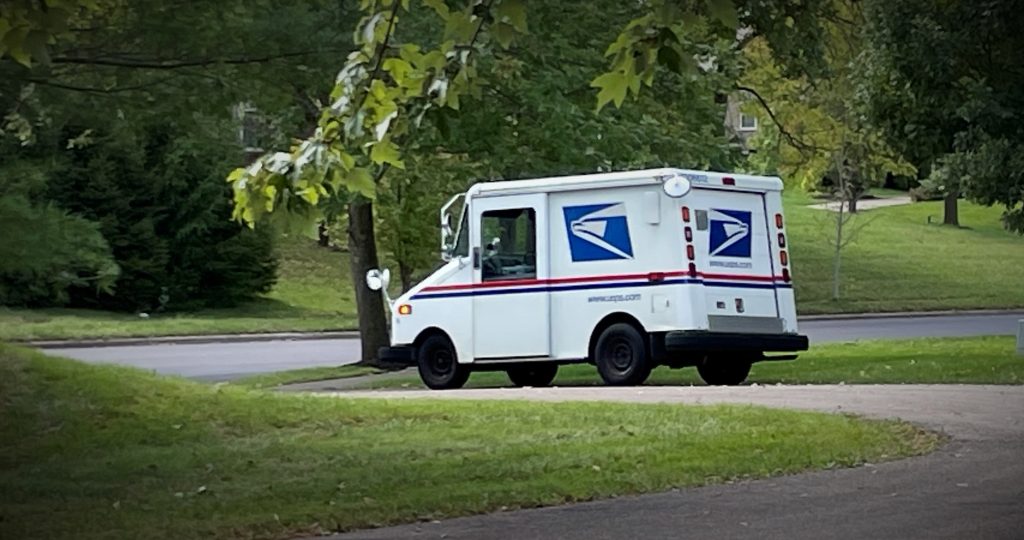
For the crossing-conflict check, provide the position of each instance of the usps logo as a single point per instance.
(730, 233)
(598, 232)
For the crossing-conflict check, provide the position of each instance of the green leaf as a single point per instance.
(460, 26)
(512, 12)
(504, 34)
(439, 6)
(612, 86)
(724, 11)
(235, 175)
(361, 181)
(386, 151)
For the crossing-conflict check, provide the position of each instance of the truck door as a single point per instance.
(510, 260)
(734, 258)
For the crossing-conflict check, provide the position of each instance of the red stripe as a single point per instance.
(587, 279)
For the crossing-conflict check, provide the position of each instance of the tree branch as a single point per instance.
(381, 51)
(164, 64)
(796, 143)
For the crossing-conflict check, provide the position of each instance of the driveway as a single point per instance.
(224, 361)
(973, 487)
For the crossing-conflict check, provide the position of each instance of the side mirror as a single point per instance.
(377, 280)
(446, 224)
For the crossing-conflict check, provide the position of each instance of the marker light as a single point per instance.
(405, 309)
(778, 221)
(689, 234)
(676, 186)
(686, 214)
(782, 240)
(690, 253)
(783, 258)
(728, 181)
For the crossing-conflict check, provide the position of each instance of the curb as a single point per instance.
(909, 314)
(193, 340)
(354, 334)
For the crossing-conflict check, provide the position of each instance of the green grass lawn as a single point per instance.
(978, 360)
(108, 452)
(270, 380)
(313, 292)
(898, 262)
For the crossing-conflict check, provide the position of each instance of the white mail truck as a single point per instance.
(626, 271)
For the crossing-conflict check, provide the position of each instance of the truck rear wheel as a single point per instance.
(438, 364)
(539, 374)
(621, 356)
(723, 371)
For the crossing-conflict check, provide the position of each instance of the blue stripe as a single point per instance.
(596, 286)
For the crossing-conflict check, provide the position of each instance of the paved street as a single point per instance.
(972, 487)
(223, 361)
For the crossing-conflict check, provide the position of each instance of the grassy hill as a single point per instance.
(897, 262)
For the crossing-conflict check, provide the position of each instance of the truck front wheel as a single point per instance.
(621, 356)
(438, 364)
(723, 371)
(539, 374)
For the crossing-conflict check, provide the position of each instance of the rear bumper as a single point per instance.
(401, 355)
(703, 341)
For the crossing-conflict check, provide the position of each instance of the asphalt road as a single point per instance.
(973, 487)
(224, 361)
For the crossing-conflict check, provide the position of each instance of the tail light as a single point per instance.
(785, 275)
(728, 181)
(689, 234)
(686, 214)
(783, 258)
(778, 221)
(782, 240)
(693, 270)
(690, 253)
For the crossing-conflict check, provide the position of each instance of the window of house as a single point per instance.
(508, 244)
(748, 122)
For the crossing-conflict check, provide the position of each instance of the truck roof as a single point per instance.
(740, 182)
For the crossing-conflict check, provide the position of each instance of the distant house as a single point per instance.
(739, 126)
(253, 130)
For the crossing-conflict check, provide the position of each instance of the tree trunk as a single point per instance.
(405, 273)
(323, 237)
(362, 247)
(951, 215)
(837, 258)
(853, 205)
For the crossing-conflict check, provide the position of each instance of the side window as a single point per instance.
(462, 241)
(508, 244)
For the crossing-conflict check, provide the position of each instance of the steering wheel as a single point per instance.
(491, 266)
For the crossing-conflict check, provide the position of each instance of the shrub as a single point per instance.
(46, 253)
(161, 202)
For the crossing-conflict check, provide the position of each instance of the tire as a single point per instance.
(621, 356)
(439, 365)
(539, 374)
(719, 371)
